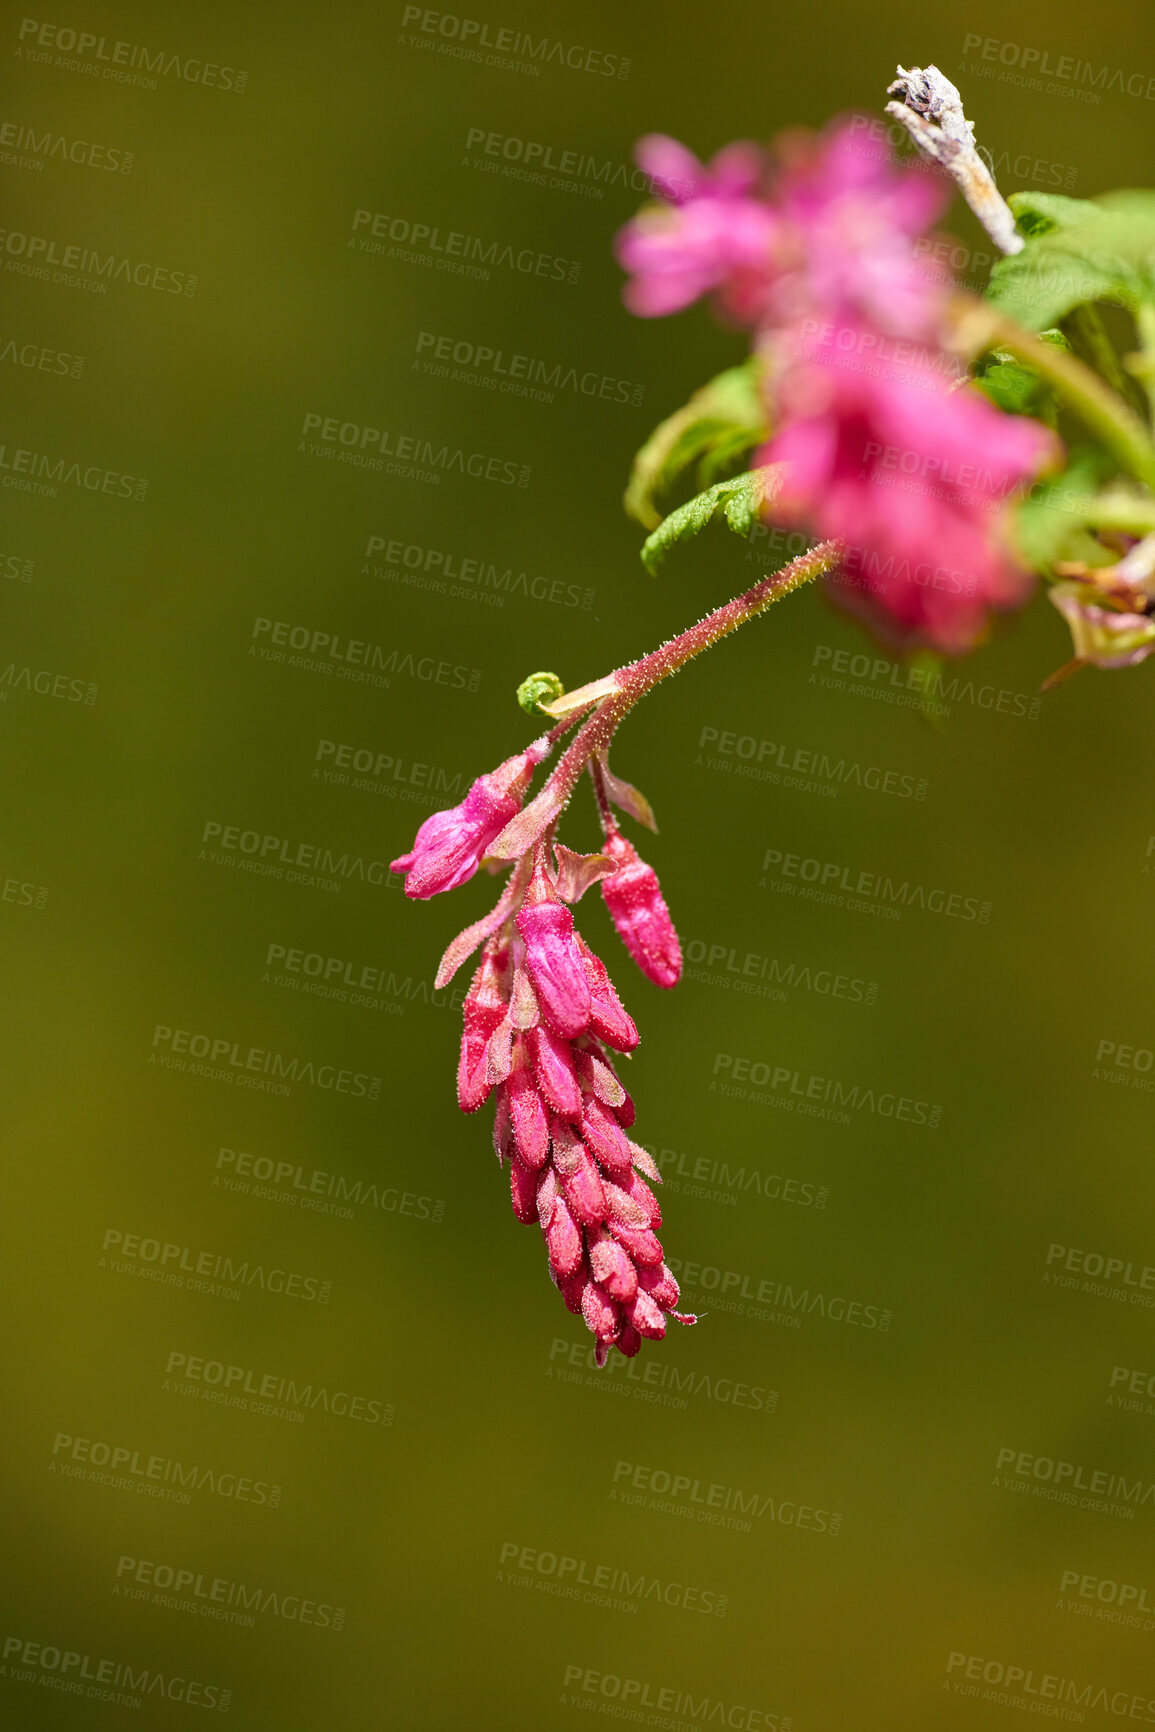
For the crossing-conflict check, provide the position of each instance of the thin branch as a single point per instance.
(932, 112)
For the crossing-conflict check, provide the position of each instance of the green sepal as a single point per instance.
(739, 501)
(1050, 525)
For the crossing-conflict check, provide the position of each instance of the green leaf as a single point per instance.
(739, 501)
(1050, 524)
(1094, 250)
(1015, 389)
(1039, 213)
(721, 422)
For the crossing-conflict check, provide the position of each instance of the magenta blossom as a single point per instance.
(450, 845)
(912, 475)
(878, 447)
(848, 220)
(712, 235)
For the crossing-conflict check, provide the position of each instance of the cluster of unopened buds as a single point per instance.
(542, 1025)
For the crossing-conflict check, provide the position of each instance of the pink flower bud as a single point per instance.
(555, 966)
(660, 1285)
(621, 1208)
(449, 846)
(600, 1313)
(606, 1141)
(523, 1191)
(608, 1018)
(646, 1316)
(564, 1241)
(547, 1196)
(642, 1245)
(584, 1191)
(572, 1287)
(641, 1194)
(482, 1011)
(503, 1144)
(634, 898)
(527, 1114)
(613, 1269)
(629, 1341)
(554, 1069)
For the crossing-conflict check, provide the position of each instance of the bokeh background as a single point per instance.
(415, 1502)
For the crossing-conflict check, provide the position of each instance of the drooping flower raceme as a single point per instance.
(542, 1022)
(882, 444)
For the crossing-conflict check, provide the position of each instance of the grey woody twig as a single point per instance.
(932, 112)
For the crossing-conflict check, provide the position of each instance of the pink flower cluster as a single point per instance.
(541, 1023)
(883, 446)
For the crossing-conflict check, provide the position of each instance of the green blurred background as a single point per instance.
(445, 1444)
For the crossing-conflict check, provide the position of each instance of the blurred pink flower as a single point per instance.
(880, 452)
(848, 217)
(883, 447)
(711, 235)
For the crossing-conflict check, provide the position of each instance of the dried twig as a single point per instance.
(931, 110)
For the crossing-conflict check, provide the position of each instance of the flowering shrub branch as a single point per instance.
(940, 449)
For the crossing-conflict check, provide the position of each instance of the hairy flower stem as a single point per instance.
(614, 696)
(643, 675)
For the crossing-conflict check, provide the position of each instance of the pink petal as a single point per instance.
(572, 1287)
(605, 1140)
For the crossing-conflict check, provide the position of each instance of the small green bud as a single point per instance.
(539, 689)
